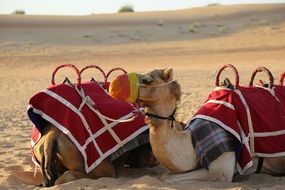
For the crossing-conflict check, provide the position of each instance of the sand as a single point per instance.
(194, 42)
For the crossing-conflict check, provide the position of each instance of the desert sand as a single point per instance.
(194, 42)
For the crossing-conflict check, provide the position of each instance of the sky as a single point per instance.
(87, 7)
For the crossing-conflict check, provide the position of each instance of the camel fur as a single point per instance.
(61, 162)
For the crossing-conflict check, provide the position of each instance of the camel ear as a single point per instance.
(167, 74)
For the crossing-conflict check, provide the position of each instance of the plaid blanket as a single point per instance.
(209, 140)
(253, 115)
(69, 110)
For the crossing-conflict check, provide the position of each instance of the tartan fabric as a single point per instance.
(209, 140)
(95, 137)
(253, 115)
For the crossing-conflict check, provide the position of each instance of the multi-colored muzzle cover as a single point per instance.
(125, 87)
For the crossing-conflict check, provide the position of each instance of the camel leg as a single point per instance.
(70, 175)
(274, 166)
(49, 160)
(105, 169)
(221, 169)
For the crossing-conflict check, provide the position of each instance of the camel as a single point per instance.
(172, 145)
(61, 162)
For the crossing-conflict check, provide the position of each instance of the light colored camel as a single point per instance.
(172, 145)
(62, 162)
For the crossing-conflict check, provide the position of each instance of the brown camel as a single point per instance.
(172, 145)
(62, 162)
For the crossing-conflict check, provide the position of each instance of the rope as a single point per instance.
(170, 117)
(154, 85)
(86, 100)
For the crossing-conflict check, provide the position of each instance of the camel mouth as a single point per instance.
(142, 102)
(139, 102)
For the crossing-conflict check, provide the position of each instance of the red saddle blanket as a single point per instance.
(72, 111)
(254, 115)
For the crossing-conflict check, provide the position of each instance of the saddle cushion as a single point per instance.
(70, 110)
(253, 115)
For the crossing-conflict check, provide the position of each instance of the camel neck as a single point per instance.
(159, 114)
(166, 141)
(172, 146)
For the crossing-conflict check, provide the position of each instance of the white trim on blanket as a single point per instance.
(249, 121)
(268, 155)
(109, 152)
(221, 88)
(75, 110)
(270, 90)
(92, 136)
(246, 167)
(244, 138)
(268, 134)
(227, 104)
(108, 126)
(82, 148)
(103, 120)
(227, 128)
(64, 130)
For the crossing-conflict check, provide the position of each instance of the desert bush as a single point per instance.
(263, 22)
(160, 23)
(198, 25)
(223, 29)
(87, 36)
(194, 27)
(19, 12)
(192, 30)
(213, 4)
(126, 8)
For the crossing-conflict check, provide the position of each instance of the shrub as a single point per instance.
(126, 8)
(198, 25)
(191, 30)
(19, 12)
(263, 22)
(223, 29)
(213, 4)
(160, 23)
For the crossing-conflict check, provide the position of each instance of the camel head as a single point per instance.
(149, 89)
(158, 87)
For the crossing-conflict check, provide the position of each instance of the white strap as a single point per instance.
(35, 170)
(91, 104)
(249, 122)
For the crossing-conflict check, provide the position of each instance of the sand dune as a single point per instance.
(198, 23)
(195, 42)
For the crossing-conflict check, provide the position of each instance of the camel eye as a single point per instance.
(146, 81)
